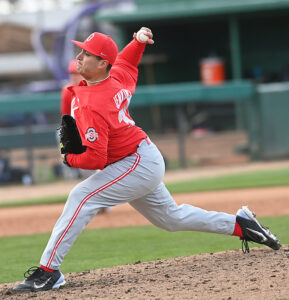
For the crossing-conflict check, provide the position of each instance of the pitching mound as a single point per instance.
(261, 274)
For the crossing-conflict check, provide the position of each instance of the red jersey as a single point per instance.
(101, 113)
(66, 98)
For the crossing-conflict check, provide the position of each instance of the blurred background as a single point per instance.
(213, 90)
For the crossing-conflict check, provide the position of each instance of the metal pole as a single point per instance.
(181, 123)
(236, 67)
(29, 146)
(235, 48)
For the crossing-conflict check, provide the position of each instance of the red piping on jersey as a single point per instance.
(83, 202)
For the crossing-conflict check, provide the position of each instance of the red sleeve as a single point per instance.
(132, 53)
(125, 67)
(65, 103)
(89, 160)
(93, 130)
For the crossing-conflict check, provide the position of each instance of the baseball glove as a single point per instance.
(70, 141)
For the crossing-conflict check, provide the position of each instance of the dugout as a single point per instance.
(247, 35)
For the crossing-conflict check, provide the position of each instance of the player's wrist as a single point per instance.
(65, 159)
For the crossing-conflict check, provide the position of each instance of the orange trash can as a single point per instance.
(212, 71)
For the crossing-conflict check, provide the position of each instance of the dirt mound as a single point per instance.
(261, 274)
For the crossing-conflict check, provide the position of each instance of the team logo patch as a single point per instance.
(91, 134)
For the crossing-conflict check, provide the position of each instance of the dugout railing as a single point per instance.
(31, 136)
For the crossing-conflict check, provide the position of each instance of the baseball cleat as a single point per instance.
(37, 279)
(253, 231)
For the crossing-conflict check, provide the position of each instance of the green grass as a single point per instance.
(234, 181)
(36, 201)
(118, 246)
(266, 178)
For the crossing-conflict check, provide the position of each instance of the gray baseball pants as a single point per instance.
(136, 179)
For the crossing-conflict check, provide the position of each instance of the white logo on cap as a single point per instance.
(101, 53)
(90, 37)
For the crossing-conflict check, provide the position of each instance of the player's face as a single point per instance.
(89, 65)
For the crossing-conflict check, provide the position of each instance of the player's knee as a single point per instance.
(173, 223)
(169, 225)
(75, 195)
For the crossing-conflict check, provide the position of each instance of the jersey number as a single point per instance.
(123, 116)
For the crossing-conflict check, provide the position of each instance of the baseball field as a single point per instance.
(121, 256)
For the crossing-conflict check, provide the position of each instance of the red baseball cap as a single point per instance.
(101, 45)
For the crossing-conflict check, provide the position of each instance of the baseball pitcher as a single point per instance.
(131, 165)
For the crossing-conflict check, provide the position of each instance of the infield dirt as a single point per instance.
(262, 274)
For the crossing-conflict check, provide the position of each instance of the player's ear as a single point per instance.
(104, 63)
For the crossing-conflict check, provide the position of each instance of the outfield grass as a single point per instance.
(253, 179)
(118, 246)
(266, 178)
